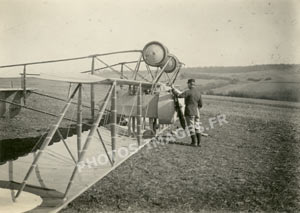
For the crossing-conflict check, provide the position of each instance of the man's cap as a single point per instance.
(191, 81)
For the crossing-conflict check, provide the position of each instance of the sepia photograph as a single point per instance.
(149, 106)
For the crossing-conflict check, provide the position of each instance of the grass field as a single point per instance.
(249, 164)
(274, 82)
(267, 90)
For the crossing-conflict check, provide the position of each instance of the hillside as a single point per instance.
(274, 82)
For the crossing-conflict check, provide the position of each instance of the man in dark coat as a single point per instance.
(193, 103)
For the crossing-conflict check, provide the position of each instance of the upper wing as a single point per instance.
(92, 79)
(76, 78)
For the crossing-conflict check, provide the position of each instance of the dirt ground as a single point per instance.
(250, 163)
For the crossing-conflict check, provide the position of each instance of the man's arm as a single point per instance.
(178, 93)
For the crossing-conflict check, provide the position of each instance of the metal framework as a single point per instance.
(136, 123)
(47, 141)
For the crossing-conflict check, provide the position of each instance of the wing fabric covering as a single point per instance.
(76, 78)
(54, 168)
(89, 79)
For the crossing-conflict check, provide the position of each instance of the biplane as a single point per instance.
(110, 112)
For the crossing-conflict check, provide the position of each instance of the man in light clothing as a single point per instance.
(193, 103)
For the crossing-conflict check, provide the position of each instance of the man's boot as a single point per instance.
(193, 137)
(198, 138)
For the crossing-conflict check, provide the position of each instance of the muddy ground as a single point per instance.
(250, 163)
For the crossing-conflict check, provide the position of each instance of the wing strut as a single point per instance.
(90, 137)
(47, 140)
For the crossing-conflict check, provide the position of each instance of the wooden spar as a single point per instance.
(137, 72)
(124, 51)
(113, 122)
(90, 137)
(79, 119)
(158, 75)
(149, 71)
(122, 74)
(93, 91)
(110, 67)
(47, 141)
(69, 59)
(139, 115)
(128, 67)
(24, 84)
(38, 174)
(113, 65)
(161, 72)
(104, 147)
(44, 62)
(137, 66)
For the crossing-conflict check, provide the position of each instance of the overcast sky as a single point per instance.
(199, 32)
